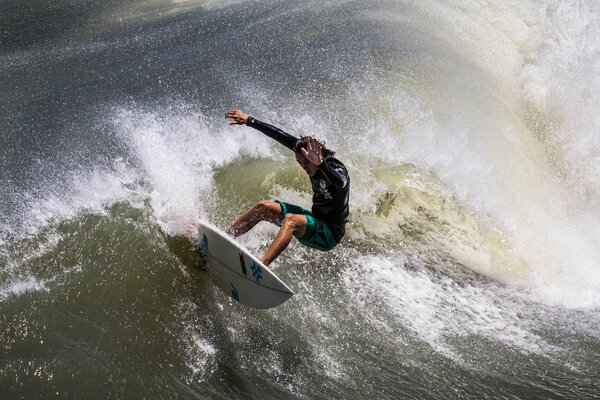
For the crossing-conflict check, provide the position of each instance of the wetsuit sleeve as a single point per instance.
(273, 132)
(336, 174)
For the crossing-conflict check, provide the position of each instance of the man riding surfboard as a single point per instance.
(323, 226)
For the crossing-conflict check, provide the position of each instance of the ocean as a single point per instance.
(470, 130)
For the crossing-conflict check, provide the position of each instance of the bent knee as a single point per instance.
(294, 220)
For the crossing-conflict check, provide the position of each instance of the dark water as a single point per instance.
(470, 267)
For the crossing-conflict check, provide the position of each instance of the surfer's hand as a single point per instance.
(238, 117)
(313, 151)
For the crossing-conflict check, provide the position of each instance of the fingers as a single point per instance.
(311, 145)
(234, 114)
(313, 151)
(316, 150)
(314, 145)
(238, 117)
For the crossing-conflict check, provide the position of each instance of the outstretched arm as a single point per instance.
(239, 117)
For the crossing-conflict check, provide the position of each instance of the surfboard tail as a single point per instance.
(236, 286)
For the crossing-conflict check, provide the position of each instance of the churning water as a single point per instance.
(471, 265)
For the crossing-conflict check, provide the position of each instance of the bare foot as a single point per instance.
(191, 228)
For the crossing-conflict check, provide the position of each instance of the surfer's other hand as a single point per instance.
(313, 152)
(238, 117)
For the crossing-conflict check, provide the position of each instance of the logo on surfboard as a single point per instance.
(256, 271)
(234, 292)
(243, 263)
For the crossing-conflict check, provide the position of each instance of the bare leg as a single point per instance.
(261, 211)
(293, 224)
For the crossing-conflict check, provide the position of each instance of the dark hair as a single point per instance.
(302, 143)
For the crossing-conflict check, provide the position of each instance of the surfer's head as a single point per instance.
(303, 143)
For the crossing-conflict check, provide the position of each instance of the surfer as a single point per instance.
(321, 228)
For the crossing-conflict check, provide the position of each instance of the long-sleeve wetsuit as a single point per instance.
(331, 183)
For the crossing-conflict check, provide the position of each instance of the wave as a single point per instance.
(469, 132)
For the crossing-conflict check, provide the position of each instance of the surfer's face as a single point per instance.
(306, 165)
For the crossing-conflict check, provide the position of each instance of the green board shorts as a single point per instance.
(318, 233)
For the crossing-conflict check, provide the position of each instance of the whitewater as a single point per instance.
(470, 130)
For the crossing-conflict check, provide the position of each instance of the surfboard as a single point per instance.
(237, 272)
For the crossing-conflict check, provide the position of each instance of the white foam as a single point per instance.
(68, 196)
(21, 286)
(438, 309)
(201, 356)
(474, 136)
(179, 153)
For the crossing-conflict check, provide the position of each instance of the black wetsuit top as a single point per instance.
(331, 183)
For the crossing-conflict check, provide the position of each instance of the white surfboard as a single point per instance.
(237, 272)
